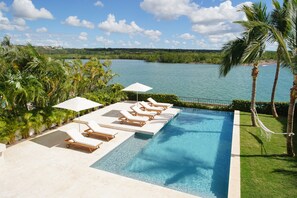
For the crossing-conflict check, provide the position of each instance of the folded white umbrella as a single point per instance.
(137, 87)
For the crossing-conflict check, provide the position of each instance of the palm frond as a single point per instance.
(232, 53)
(253, 52)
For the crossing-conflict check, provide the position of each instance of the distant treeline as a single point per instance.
(149, 55)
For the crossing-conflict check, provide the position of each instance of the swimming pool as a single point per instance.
(190, 154)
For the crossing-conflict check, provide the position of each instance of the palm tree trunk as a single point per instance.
(255, 72)
(290, 123)
(273, 109)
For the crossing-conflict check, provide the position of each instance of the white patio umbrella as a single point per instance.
(77, 104)
(137, 87)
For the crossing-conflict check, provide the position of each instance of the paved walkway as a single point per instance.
(43, 167)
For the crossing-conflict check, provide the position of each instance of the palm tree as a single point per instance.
(52, 74)
(293, 90)
(249, 48)
(276, 34)
(6, 41)
(280, 19)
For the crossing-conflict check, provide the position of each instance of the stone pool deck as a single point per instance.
(42, 167)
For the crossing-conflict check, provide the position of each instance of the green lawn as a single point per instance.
(265, 169)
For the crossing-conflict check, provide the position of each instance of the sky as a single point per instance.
(170, 24)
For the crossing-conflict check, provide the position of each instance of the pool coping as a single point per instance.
(234, 175)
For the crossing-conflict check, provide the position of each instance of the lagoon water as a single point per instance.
(202, 80)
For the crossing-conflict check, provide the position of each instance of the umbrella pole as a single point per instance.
(137, 98)
(78, 122)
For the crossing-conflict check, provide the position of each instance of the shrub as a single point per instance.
(261, 107)
(241, 105)
(169, 98)
(204, 106)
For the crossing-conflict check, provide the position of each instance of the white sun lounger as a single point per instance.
(140, 112)
(131, 119)
(159, 104)
(96, 129)
(76, 138)
(147, 107)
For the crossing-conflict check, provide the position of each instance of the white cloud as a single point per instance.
(201, 43)
(5, 23)
(168, 9)
(153, 34)
(28, 35)
(208, 21)
(112, 26)
(26, 9)
(225, 11)
(219, 21)
(3, 6)
(51, 42)
(219, 28)
(17, 23)
(175, 43)
(172, 9)
(42, 29)
(83, 36)
(98, 3)
(54, 40)
(74, 21)
(128, 44)
(150, 45)
(221, 38)
(103, 40)
(187, 36)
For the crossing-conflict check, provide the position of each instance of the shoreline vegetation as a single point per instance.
(148, 55)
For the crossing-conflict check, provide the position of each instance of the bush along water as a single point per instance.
(241, 105)
(261, 107)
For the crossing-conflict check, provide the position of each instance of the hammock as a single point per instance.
(264, 129)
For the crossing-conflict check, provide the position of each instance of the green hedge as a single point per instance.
(262, 107)
(241, 105)
(204, 106)
(169, 98)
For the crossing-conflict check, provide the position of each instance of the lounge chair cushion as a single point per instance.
(146, 106)
(140, 111)
(128, 115)
(76, 136)
(94, 126)
(151, 100)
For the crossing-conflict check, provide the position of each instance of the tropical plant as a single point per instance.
(285, 55)
(8, 130)
(249, 48)
(31, 83)
(280, 19)
(26, 125)
(293, 90)
(108, 95)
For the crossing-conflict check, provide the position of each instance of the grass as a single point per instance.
(266, 171)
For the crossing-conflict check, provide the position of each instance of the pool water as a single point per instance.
(190, 154)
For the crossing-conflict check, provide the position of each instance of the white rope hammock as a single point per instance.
(265, 130)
